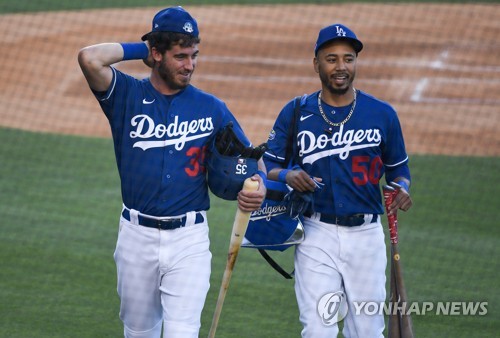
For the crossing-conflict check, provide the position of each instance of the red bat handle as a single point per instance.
(389, 194)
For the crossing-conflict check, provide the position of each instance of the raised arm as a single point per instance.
(95, 62)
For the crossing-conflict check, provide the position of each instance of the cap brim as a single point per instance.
(356, 44)
(145, 36)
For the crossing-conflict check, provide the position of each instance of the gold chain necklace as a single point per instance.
(339, 123)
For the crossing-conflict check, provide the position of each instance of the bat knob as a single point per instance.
(250, 185)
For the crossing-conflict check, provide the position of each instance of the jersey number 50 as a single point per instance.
(366, 170)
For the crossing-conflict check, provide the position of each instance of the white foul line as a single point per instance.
(417, 93)
(439, 63)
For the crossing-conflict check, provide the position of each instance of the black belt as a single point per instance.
(163, 224)
(348, 221)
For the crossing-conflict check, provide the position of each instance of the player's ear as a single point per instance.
(316, 64)
(156, 55)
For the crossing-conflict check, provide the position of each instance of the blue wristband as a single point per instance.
(404, 185)
(262, 175)
(282, 175)
(134, 51)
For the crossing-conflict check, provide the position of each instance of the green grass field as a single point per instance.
(59, 207)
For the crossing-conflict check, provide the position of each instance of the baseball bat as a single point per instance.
(394, 315)
(239, 228)
(400, 323)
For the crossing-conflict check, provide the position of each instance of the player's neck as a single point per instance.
(337, 100)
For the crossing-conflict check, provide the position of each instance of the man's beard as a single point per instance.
(328, 83)
(169, 78)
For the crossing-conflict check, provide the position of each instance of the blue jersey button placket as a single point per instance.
(167, 160)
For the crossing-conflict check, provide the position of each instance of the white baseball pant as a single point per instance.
(163, 278)
(336, 258)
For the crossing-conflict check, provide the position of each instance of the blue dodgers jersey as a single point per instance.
(160, 143)
(350, 158)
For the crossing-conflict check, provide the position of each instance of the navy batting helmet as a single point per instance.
(227, 174)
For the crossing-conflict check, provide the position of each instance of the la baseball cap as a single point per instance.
(334, 32)
(174, 19)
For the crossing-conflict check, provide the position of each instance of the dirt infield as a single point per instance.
(438, 65)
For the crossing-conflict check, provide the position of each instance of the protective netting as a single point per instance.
(437, 64)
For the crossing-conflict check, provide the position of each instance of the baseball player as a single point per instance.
(162, 127)
(347, 140)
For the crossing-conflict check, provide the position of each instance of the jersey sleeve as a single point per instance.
(237, 129)
(113, 101)
(394, 157)
(106, 98)
(278, 137)
(228, 117)
(394, 153)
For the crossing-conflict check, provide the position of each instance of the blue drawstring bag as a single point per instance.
(271, 227)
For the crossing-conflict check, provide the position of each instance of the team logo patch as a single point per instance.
(272, 135)
(340, 31)
(314, 147)
(188, 27)
(267, 212)
(177, 133)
